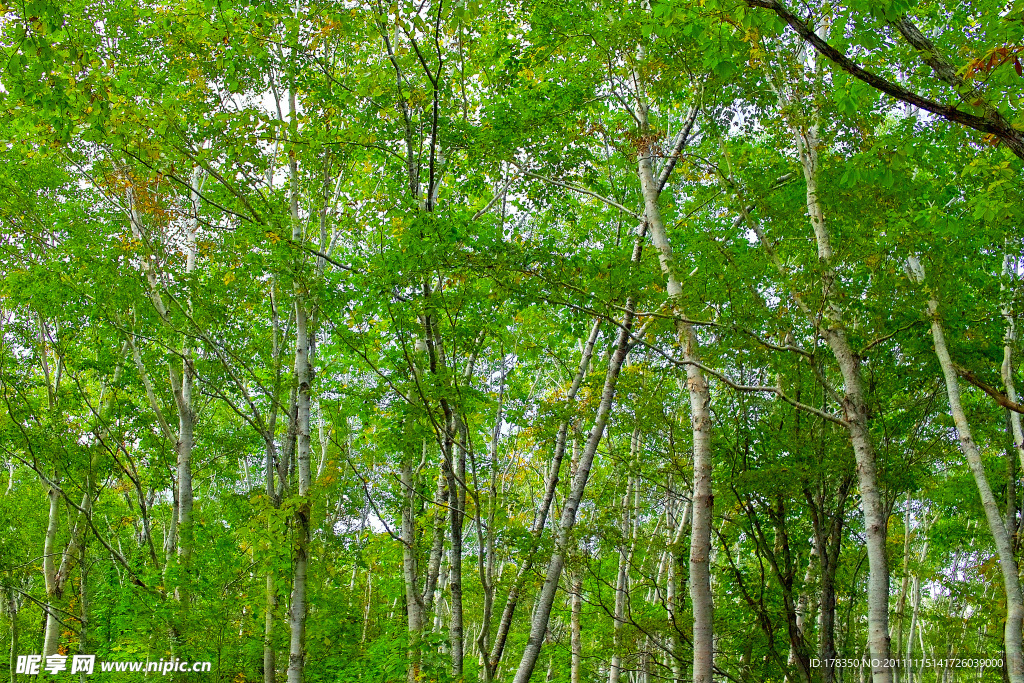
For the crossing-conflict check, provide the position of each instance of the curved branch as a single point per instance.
(993, 123)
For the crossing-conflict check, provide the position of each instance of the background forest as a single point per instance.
(471, 340)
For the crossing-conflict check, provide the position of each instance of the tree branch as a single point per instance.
(993, 123)
(999, 396)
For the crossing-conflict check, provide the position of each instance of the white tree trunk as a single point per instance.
(576, 630)
(297, 607)
(1007, 367)
(546, 599)
(51, 637)
(674, 592)
(541, 514)
(413, 599)
(856, 414)
(622, 578)
(12, 611)
(1007, 561)
(700, 420)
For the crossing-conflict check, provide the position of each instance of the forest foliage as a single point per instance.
(513, 341)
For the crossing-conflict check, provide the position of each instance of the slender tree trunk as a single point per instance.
(56, 576)
(12, 610)
(855, 412)
(915, 610)
(546, 599)
(700, 419)
(182, 387)
(51, 637)
(622, 579)
(1012, 635)
(83, 606)
(51, 575)
(366, 603)
(441, 515)
(901, 602)
(575, 630)
(1012, 507)
(1013, 418)
(541, 514)
(802, 610)
(485, 556)
(179, 541)
(297, 608)
(827, 638)
(828, 541)
(1006, 369)
(413, 600)
(269, 656)
(674, 592)
(270, 609)
(456, 484)
(441, 608)
(854, 405)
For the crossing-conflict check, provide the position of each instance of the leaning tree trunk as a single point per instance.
(854, 404)
(546, 599)
(855, 413)
(1007, 562)
(541, 514)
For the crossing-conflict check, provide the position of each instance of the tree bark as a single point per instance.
(622, 578)
(546, 599)
(575, 630)
(457, 477)
(12, 611)
(1012, 635)
(180, 538)
(855, 412)
(297, 608)
(1006, 370)
(700, 420)
(674, 591)
(541, 514)
(270, 609)
(413, 600)
(51, 636)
